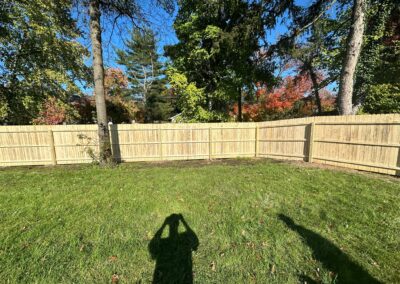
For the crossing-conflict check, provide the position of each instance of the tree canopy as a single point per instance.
(218, 50)
(40, 57)
(227, 63)
(146, 74)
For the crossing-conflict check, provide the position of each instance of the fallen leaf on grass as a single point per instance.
(113, 258)
(273, 269)
(115, 278)
(375, 263)
(213, 266)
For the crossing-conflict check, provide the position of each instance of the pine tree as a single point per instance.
(145, 74)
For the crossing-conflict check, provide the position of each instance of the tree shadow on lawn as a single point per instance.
(173, 255)
(331, 257)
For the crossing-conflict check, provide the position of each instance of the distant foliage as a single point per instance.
(307, 107)
(146, 76)
(217, 52)
(384, 98)
(54, 111)
(190, 99)
(284, 96)
(39, 57)
(291, 98)
(121, 110)
(115, 82)
(379, 64)
(83, 110)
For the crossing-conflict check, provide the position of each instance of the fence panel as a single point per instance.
(367, 142)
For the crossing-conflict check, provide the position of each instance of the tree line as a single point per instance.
(227, 63)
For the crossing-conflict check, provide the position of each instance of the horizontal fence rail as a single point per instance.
(365, 142)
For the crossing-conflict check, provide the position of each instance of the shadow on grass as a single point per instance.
(331, 257)
(173, 255)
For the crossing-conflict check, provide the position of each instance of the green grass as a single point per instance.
(255, 222)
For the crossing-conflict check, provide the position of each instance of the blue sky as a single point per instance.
(161, 22)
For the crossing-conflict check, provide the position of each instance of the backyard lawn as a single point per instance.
(241, 221)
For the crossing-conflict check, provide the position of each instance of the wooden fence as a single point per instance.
(368, 142)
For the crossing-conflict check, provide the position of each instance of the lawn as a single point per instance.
(241, 221)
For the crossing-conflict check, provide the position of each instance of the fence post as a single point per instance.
(160, 142)
(209, 144)
(52, 147)
(310, 142)
(256, 142)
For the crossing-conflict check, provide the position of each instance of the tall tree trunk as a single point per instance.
(353, 49)
(105, 155)
(239, 118)
(315, 87)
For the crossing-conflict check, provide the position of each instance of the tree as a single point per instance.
(190, 99)
(145, 74)
(55, 111)
(353, 50)
(39, 57)
(114, 9)
(158, 106)
(382, 98)
(292, 97)
(115, 83)
(343, 30)
(315, 56)
(378, 68)
(217, 51)
(105, 155)
(120, 108)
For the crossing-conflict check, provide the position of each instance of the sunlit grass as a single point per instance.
(256, 221)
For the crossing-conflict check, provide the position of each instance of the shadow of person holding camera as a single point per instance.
(173, 255)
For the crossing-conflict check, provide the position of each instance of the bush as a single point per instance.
(383, 98)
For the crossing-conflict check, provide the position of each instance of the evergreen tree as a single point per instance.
(217, 50)
(145, 74)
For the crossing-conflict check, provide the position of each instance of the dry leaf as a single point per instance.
(113, 258)
(213, 266)
(115, 278)
(273, 269)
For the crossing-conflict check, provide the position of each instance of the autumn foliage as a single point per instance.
(55, 111)
(293, 95)
(291, 90)
(115, 82)
(83, 109)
